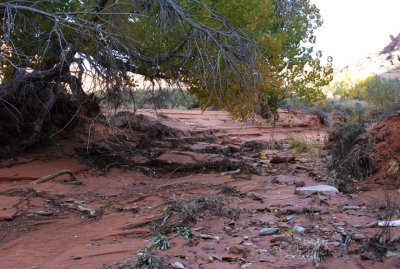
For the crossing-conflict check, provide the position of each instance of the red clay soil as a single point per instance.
(385, 152)
(102, 217)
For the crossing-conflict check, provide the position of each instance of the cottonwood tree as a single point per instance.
(184, 41)
(237, 54)
(287, 63)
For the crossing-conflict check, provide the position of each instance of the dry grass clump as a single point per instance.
(312, 249)
(302, 145)
(190, 211)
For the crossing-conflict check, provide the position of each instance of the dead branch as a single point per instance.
(231, 172)
(90, 211)
(54, 175)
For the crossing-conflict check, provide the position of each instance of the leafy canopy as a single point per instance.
(287, 63)
(242, 55)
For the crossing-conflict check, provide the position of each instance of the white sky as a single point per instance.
(354, 28)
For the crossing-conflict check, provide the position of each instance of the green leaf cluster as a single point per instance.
(287, 63)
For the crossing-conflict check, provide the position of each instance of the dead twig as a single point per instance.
(54, 175)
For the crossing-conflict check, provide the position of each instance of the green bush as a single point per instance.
(183, 231)
(383, 97)
(161, 242)
(348, 87)
(353, 110)
(368, 100)
(145, 259)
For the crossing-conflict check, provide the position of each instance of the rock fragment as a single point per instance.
(179, 265)
(268, 231)
(299, 229)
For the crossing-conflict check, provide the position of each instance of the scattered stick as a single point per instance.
(52, 176)
(231, 172)
(76, 205)
(208, 236)
(90, 211)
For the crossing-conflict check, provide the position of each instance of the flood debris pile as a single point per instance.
(154, 147)
(367, 155)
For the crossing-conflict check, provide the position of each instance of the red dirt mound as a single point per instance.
(385, 137)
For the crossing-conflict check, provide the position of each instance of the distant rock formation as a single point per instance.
(392, 46)
(385, 64)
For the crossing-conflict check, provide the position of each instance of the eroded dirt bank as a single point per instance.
(228, 182)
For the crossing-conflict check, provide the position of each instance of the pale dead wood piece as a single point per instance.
(54, 175)
(231, 172)
(90, 211)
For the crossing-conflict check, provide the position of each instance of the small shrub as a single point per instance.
(393, 170)
(353, 110)
(315, 250)
(183, 231)
(161, 242)
(190, 211)
(370, 99)
(344, 183)
(302, 145)
(145, 259)
(383, 97)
